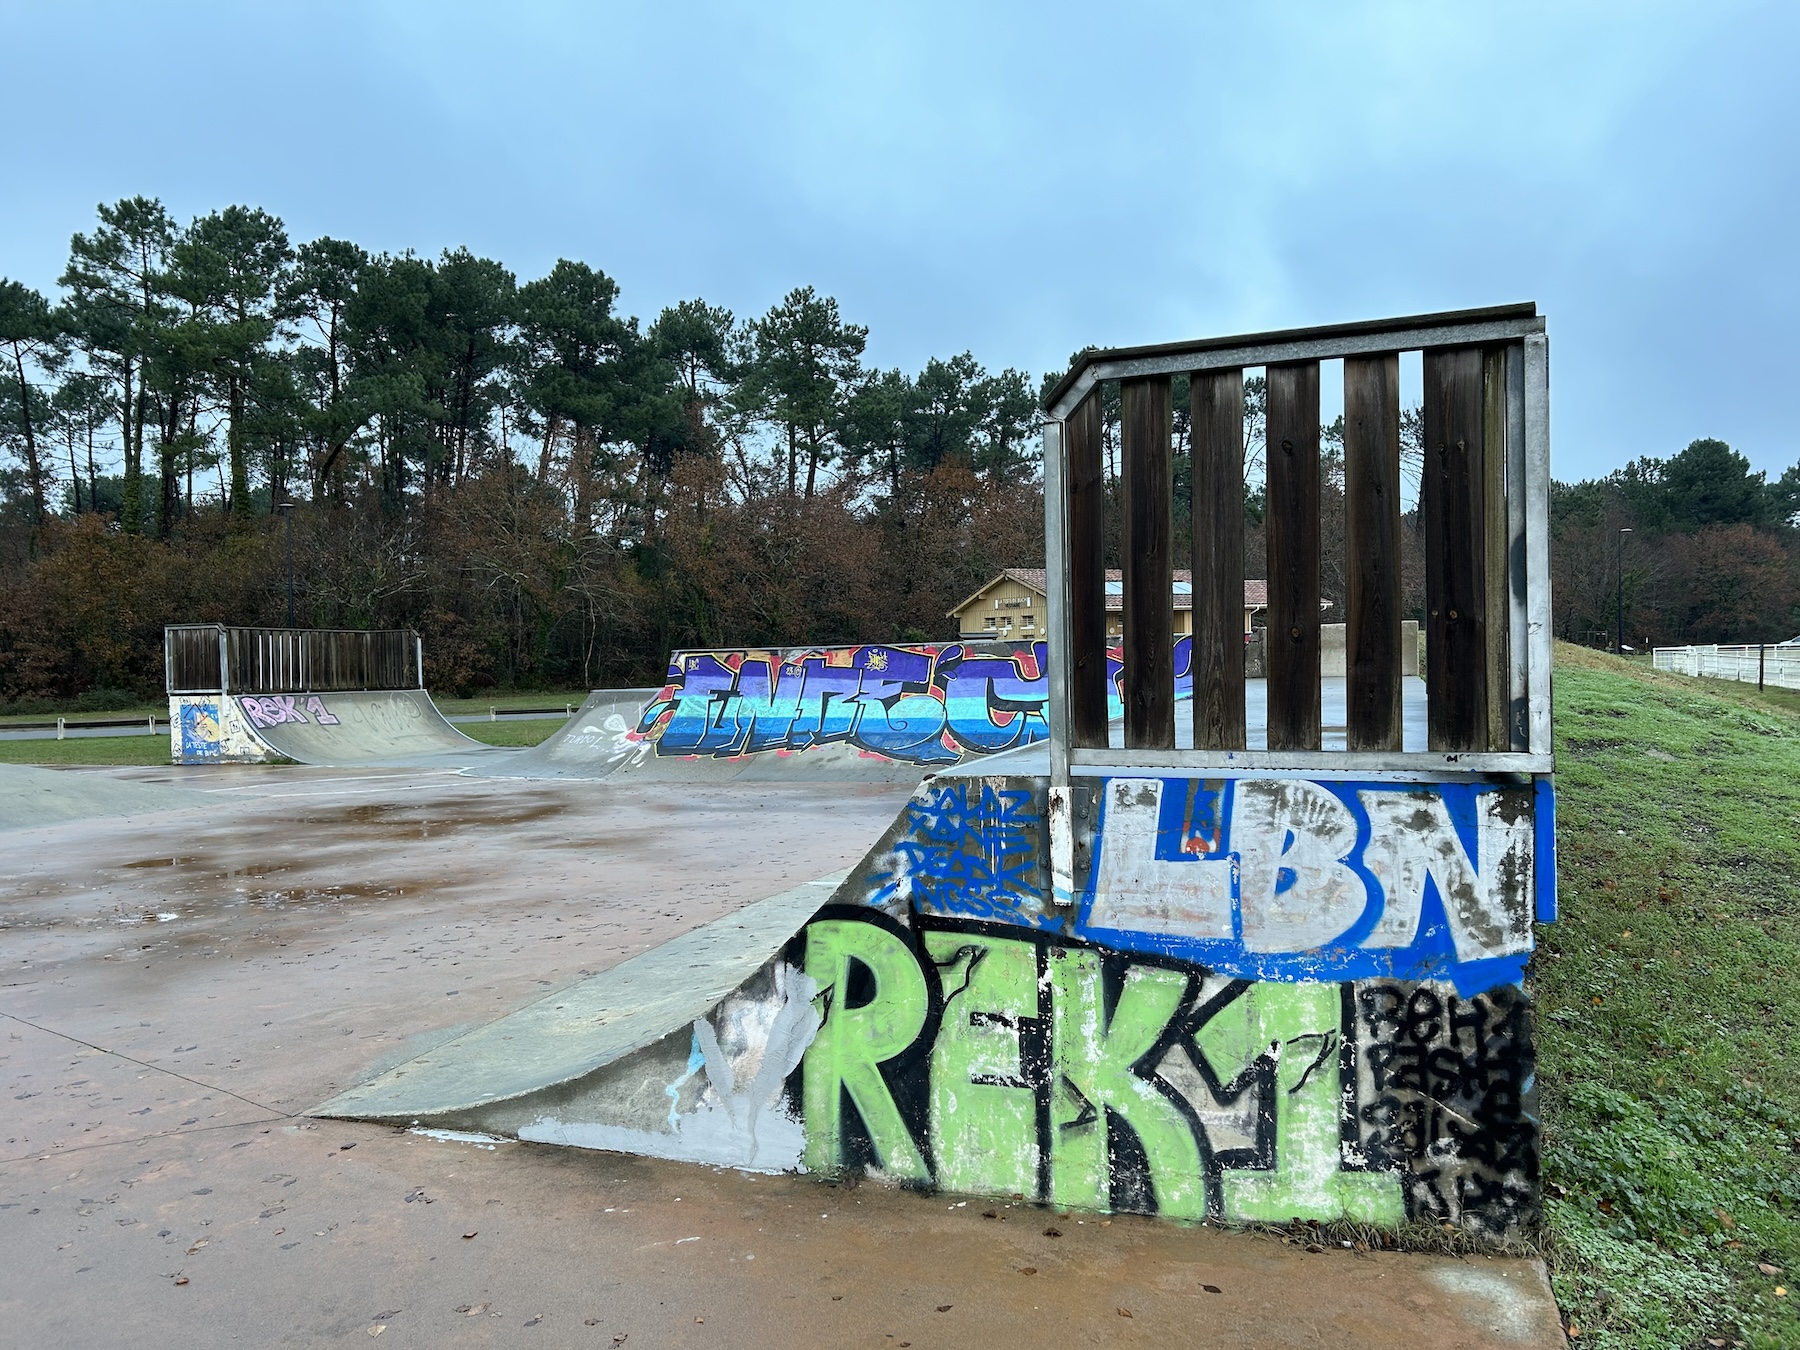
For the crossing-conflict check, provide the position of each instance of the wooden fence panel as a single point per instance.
(1217, 399)
(1292, 531)
(1372, 657)
(1149, 618)
(1455, 549)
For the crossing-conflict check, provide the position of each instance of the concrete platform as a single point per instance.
(176, 987)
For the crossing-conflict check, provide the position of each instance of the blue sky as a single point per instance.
(1019, 180)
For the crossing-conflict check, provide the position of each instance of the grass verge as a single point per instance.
(533, 732)
(139, 749)
(1668, 1014)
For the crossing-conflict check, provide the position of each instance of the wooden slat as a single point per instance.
(1372, 552)
(1086, 545)
(1218, 559)
(1455, 554)
(1292, 531)
(1149, 616)
(1496, 617)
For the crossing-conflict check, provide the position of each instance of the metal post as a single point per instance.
(1619, 629)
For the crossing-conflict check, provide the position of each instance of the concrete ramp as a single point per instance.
(398, 726)
(599, 739)
(1219, 1013)
(621, 1060)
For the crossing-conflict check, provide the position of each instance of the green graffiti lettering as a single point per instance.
(983, 1112)
(852, 1043)
(1301, 1021)
(1092, 1062)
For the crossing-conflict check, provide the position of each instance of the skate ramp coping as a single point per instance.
(587, 1026)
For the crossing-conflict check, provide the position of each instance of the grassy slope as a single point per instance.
(139, 749)
(1669, 1015)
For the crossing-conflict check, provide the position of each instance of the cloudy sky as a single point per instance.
(1019, 180)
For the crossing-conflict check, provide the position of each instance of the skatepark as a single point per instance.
(199, 957)
(1011, 949)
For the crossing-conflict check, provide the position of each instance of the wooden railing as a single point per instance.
(211, 658)
(1484, 500)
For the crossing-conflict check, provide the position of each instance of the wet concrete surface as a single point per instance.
(176, 988)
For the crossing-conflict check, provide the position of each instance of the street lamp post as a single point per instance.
(286, 507)
(1619, 630)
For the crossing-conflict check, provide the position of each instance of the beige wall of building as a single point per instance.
(1007, 608)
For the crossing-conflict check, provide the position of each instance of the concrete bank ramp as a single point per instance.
(714, 1006)
(600, 738)
(398, 726)
(30, 797)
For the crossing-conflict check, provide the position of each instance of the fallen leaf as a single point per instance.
(590, 1321)
(1780, 1292)
(989, 1214)
(474, 1311)
(181, 1279)
(699, 1320)
(198, 1245)
(1123, 1312)
(1716, 1340)
(1212, 1289)
(1053, 1232)
(837, 1298)
(535, 1320)
(945, 1307)
(1314, 1248)
(388, 1316)
(467, 1236)
(377, 1329)
(1768, 1269)
(1028, 1270)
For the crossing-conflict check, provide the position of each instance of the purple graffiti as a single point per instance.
(274, 710)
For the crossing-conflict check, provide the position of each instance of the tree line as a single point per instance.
(1695, 548)
(550, 490)
(553, 492)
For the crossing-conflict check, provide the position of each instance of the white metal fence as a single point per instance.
(1750, 664)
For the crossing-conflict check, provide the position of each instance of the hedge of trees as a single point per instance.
(1712, 553)
(555, 493)
(551, 491)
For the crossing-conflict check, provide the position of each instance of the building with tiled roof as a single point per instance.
(1013, 605)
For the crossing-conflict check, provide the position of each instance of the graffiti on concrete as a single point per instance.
(1444, 1091)
(920, 703)
(989, 1061)
(197, 731)
(275, 710)
(970, 849)
(723, 1096)
(1262, 879)
(207, 729)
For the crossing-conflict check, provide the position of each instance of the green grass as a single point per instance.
(1669, 1013)
(139, 749)
(543, 698)
(160, 709)
(155, 749)
(532, 732)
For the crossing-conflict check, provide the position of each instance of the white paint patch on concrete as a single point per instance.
(1511, 1300)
